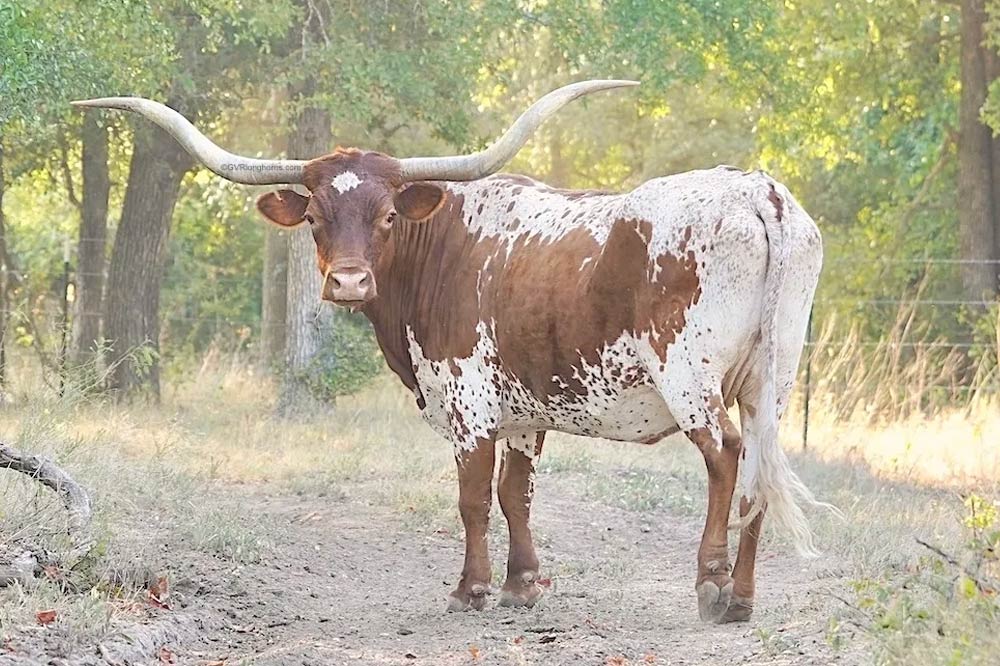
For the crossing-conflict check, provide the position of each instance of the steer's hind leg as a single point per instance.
(516, 488)
(475, 495)
(703, 418)
(741, 606)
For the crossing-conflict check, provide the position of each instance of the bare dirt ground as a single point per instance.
(351, 585)
(622, 592)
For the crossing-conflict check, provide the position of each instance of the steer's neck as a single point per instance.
(414, 281)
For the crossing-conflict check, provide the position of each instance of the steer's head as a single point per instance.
(354, 197)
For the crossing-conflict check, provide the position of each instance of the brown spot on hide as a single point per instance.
(561, 303)
(457, 422)
(775, 199)
(653, 439)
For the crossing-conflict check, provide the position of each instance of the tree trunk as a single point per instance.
(975, 162)
(992, 74)
(92, 241)
(4, 305)
(309, 322)
(274, 293)
(132, 324)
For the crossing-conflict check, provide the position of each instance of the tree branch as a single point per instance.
(74, 497)
(984, 584)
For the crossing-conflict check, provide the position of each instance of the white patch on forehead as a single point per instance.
(345, 182)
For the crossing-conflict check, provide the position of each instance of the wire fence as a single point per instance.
(918, 310)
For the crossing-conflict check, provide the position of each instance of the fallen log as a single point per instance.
(27, 560)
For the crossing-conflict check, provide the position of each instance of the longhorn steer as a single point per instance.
(510, 309)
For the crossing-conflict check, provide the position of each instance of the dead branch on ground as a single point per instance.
(28, 560)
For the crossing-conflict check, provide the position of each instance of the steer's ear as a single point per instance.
(285, 208)
(418, 201)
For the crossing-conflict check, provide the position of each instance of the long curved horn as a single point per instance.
(239, 169)
(491, 160)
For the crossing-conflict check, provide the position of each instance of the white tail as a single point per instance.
(767, 478)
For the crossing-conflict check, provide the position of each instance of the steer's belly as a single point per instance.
(636, 414)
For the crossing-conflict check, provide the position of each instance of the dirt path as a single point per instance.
(352, 585)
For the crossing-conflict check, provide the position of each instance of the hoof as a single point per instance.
(713, 601)
(520, 599)
(740, 609)
(521, 591)
(474, 598)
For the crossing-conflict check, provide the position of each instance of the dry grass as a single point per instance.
(909, 370)
(164, 478)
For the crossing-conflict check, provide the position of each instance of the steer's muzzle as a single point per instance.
(349, 286)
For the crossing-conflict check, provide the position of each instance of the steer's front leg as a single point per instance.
(475, 495)
(516, 488)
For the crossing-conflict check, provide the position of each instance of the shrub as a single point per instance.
(945, 608)
(349, 360)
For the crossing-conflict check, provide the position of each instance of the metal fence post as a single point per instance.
(64, 350)
(808, 387)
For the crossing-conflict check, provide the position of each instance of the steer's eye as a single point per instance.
(309, 218)
(390, 219)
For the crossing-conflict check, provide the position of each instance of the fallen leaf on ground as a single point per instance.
(600, 630)
(474, 651)
(159, 593)
(45, 616)
(165, 655)
(52, 572)
(617, 661)
(518, 640)
(650, 659)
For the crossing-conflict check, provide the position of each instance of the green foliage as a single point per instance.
(52, 51)
(212, 290)
(382, 67)
(348, 361)
(666, 42)
(991, 112)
